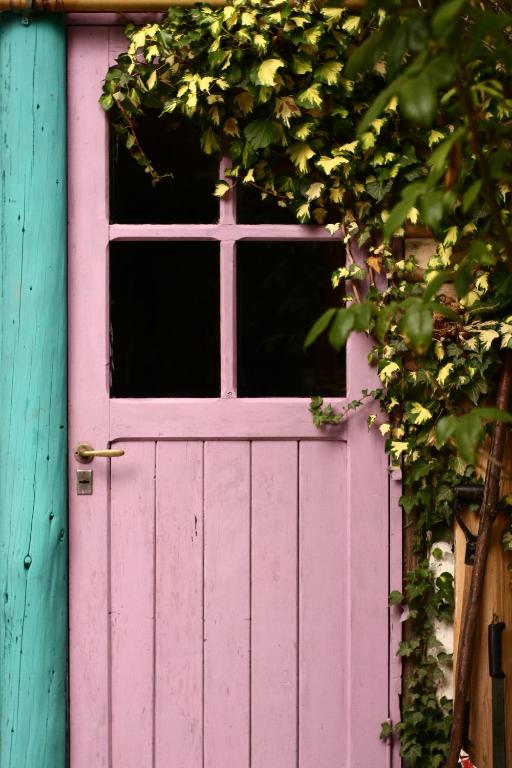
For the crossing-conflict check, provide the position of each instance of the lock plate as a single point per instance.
(84, 482)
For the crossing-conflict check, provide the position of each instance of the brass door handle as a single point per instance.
(85, 453)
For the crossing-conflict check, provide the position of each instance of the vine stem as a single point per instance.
(488, 512)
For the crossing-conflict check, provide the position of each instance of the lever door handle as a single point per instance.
(85, 453)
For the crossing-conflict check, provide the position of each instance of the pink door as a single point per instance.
(229, 574)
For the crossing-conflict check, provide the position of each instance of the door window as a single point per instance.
(172, 334)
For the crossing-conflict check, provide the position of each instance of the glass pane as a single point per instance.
(251, 209)
(164, 319)
(187, 198)
(282, 289)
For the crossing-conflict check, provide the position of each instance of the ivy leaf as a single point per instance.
(471, 195)
(329, 164)
(300, 153)
(210, 142)
(396, 218)
(266, 74)
(107, 101)
(261, 133)
(365, 56)
(221, 188)
(417, 98)
(245, 102)
(396, 598)
(418, 413)
(342, 324)
(417, 326)
(310, 98)
(319, 327)
(445, 14)
(328, 73)
(468, 435)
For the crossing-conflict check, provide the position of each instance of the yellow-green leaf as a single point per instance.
(387, 372)
(444, 373)
(310, 98)
(487, 337)
(300, 153)
(151, 81)
(210, 142)
(328, 164)
(314, 191)
(267, 71)
(221, 188)
(419, 414)
(328, 73)
(303, 213)
(301, 66)
(260, 42)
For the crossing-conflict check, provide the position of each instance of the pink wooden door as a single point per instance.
(229, 574)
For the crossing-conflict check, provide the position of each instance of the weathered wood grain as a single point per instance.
(33, 520)
(274, 592)
(132, 620)
(179, 605)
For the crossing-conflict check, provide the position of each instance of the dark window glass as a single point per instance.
(282, 289)
(251, 209)
(164, 319)
(187, 198)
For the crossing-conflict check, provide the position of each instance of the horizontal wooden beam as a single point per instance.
(119, 6)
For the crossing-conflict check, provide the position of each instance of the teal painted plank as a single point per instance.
(33, 504)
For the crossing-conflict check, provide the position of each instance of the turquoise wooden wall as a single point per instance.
(33, 505)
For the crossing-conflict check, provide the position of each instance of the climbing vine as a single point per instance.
(369, 124)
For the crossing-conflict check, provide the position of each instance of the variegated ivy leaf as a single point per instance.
(329, 164)
(303, 213)
(397, 447)
(444, 372)
(245, 102)
(301, 65)
(328, 73)
(304, 131)
(310, 98)
(261, 42)
(314, 191)
(387, 373)
(221, 188)
(266, 74)
(419, 414)
(210, 142)
(151, 81)
(300, 153)
(487, 337)
(286, 108)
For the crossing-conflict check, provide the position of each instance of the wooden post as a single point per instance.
(33, 508)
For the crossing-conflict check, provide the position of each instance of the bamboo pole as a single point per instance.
(119, 6)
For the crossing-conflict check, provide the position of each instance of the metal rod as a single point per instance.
(119, 6)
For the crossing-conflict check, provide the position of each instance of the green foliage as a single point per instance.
(370, 124)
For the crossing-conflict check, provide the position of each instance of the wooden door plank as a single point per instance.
(323, 612)
(226, 604)
(132, 605)
(274, 604)
(179, 605)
